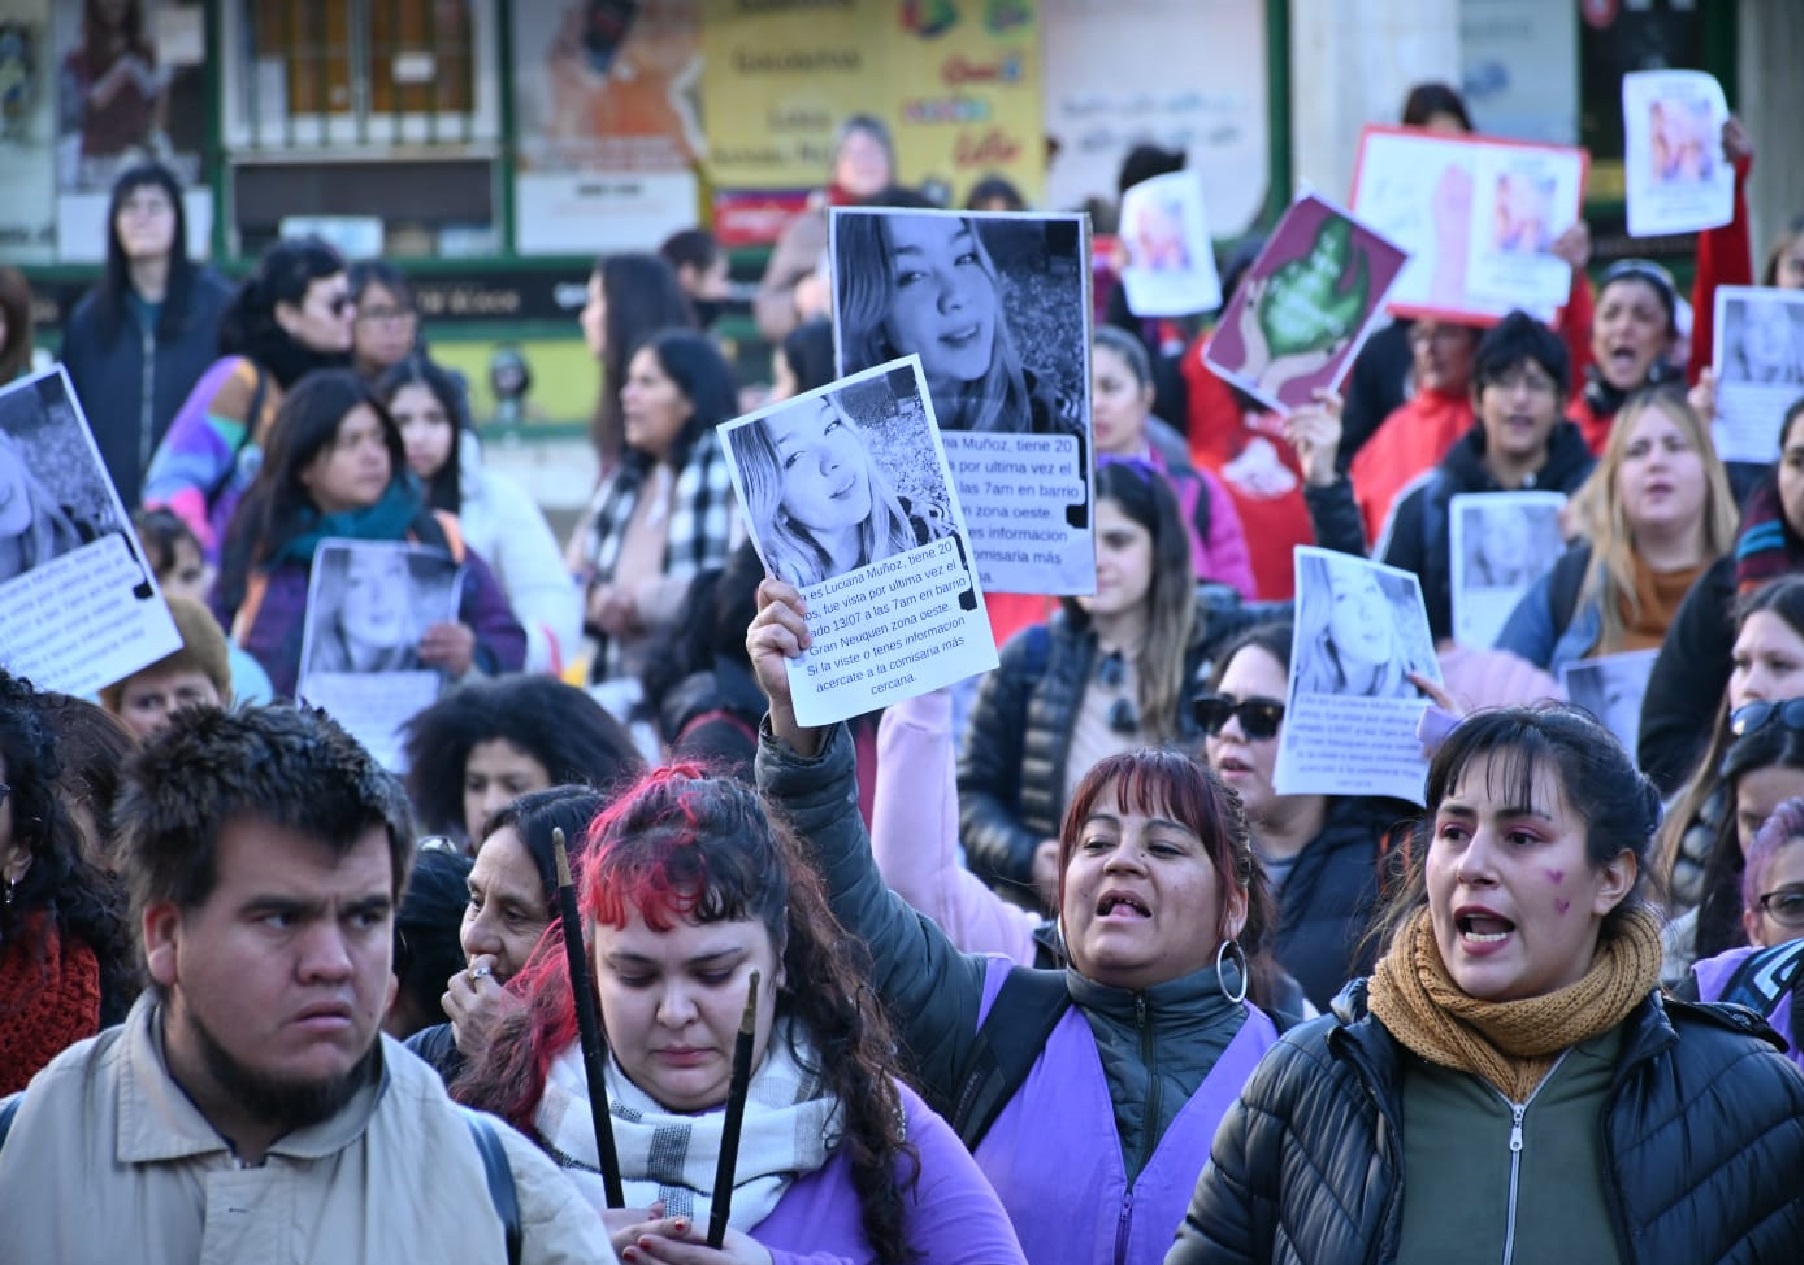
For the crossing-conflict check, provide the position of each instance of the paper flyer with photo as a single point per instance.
(847, 495)
(1678, 179)
(1350, 722)
(1502, 542)
(1611, 688)
(1525, 199)
(79, 609)
(997, 308)
(1299, 317)
(1759, 364)
(1171, 261)
(368, 605)
(1426, 192)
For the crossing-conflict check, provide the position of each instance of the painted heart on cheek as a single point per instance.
(1556, 877)
(1564, 906)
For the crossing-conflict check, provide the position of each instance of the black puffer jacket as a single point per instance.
(1011, 774)
(1703, 1139)
(1326, 903)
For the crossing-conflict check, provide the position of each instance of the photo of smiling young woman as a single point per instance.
(820, 500)
(376, 601)
(994, 305)
(1360, 630)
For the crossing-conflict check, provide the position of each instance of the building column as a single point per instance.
(1351, 63)
(1771, 38)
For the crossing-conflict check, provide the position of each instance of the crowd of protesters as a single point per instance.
(1040, 968)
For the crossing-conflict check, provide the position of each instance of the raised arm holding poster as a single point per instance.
(1759, 363)
(368, 603)
(1502, 542)
(1476, 216)
(848, 496)
(997, 308)
(1678, 179)
(1350, 722)
(1305, 306)
(1171, 261)
(78, 608)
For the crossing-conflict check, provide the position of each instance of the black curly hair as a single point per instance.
(85, 904)
(560, 726)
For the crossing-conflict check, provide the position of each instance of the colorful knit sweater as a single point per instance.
(205, 462)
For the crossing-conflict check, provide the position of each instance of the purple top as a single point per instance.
(1713, 976)
(951, 1215)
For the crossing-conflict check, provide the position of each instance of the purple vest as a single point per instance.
(1054, 1154)
(1713, 976)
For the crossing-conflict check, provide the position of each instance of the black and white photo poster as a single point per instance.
(1350, 721)
(997, 308)
(79, 610)
(1759, 362)
(1502, 542)
(847, 495)
(1611, 688)
(368, 605)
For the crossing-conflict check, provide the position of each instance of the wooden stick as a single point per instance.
(741, 1085)
(588, 1026)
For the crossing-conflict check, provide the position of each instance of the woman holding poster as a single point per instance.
(1515, 1013)
(336, 469)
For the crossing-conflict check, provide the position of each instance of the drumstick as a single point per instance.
(738, 1088)
(588, 1026)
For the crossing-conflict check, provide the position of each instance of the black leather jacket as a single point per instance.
(1703, 1116)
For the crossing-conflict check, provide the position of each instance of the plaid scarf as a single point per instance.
(701, 525)
(792, 1127)
(1767, 547)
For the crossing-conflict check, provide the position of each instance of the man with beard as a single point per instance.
(248, 1107)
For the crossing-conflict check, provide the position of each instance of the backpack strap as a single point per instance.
(500, 1175)
(1765, 977)
(1009, 1041)
(453, 531)
(9, 1107)
(1563, 588)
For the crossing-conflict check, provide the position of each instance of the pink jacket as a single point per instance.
(1223, 555)
(914, 834)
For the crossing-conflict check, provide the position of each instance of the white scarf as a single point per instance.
(792, 1127)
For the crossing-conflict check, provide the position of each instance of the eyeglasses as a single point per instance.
(386, 315)
(1259, 717)
(1523, 378)
(1754, 716)
(1785, 906)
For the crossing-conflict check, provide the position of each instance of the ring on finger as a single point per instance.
(480, 972)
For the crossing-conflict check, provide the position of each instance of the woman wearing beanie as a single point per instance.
(1510, 1085)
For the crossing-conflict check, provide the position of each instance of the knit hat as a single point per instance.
(203, 650)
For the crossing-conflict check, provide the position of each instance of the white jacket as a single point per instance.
(109, 1161)
(503, 525)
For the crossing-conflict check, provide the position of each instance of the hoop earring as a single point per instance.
(1240, 961)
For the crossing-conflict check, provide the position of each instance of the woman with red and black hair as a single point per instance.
(1130, 1057)
(693, 894)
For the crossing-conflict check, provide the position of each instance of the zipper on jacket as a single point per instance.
(147, 411)
(1517, 1111)
(1149, 1132)
(1123, 1224)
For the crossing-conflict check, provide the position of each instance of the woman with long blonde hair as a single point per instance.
(823, 505)
(918, 283)
(1654, 514)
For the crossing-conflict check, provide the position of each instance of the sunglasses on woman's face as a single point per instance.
(1785, 906)
(1745, 720)
(1259, 717)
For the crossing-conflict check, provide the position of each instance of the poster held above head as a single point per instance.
(1350, 720)
(1502, 542)
(78, 608)
(1611, 688)
(1171, 261)
(368, 605)
(997, 308)
(1476, 215)
(1759, 364)
(847, 495)
(1305, 305)
(1678, 178)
